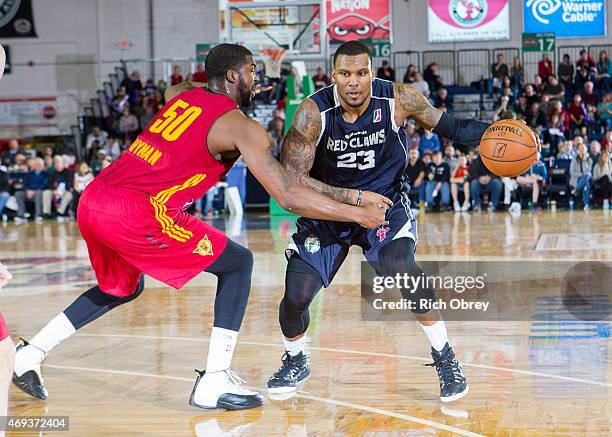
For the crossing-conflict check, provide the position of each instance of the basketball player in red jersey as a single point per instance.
(7, 353)
(133, 219)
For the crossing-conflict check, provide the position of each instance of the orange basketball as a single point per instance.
(509, 148)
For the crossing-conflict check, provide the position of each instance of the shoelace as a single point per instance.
(287, 368)
(448, 370)
(234, 378)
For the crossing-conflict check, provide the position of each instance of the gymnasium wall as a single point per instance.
(410, 29)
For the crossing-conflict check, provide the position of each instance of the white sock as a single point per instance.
(293, 348)
(56, 331)
(221, 349)
(436, 334)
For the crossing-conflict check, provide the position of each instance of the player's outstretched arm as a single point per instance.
(410, 103)
(252, 141)
(298, 153)
(175, 90)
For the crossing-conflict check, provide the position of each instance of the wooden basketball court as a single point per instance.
(131, 372)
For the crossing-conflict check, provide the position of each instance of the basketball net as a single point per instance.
(273, 60)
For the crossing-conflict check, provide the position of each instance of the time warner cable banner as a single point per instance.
(468, 20)
(565, 18)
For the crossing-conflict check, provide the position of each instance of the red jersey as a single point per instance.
(169, 162)
(4, 332)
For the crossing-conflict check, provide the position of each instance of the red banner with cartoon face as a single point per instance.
(350, 20)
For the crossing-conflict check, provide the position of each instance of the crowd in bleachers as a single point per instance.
(570, 111)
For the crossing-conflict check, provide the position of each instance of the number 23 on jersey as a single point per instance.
(171, 125)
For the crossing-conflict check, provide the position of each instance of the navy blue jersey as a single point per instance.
(369, 154)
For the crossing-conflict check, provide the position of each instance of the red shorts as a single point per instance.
(4, 332)
(127, 234)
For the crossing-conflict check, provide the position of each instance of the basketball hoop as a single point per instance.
(273, 60)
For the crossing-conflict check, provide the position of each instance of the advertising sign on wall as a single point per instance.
(468, 20)
(565, 18)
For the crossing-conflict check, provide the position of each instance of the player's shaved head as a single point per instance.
(225, 57)
(352, 48)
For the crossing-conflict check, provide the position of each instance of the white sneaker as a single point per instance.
(465, 207)
(61, 219)
(38, 219)
(20, 220)
(27, 374)
(457, 206)
(222, 389)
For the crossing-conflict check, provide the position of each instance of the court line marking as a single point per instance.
(354, 352)
(380, 411)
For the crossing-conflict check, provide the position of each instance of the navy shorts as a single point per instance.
(325, 244)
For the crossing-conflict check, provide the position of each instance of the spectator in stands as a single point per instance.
(586, 62)
(522, 108)
(275, 132)
(443, 101)
(438, 182)
(59, 191)
(415, 172)
(112, 148)
(534, 178)
(589, 97)
(149, 87)
(132, 85)
(420, 85)
(535, 118)
(504, 110)
(20, 165)
(48, 160)
(450, 157)
(554, 134)
(119, 102)
(557, 109)
(321, 79)
(578, 114)
(82, 178)
(545, 67)
(386, 72)
(556, 89)
(413, 137)
(460, 180)
(96, 164)
(580, 175)
(432, 78)
(98, 135)
(176, 76)
(565, 70)
(499, 70)
(200, 74)
(35, 182)
(483, 180)
(545, 104)
(531, 95)
(602, 176)
(582, 77)
(538, 85)
(13, 150)
(507, 92)
(595, 150)
(147, 117)
(606, 143)
(567, 150)
(410, 72)
(604, 112)
(426, 158)
(604, 72)
(128, 124)
(430, 142)
(517, 75)
(5, 190)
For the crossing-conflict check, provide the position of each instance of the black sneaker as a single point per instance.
(453, 384)
(294, 371)
(31, 382)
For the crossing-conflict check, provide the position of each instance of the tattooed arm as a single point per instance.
(298, 153)
(410, 103)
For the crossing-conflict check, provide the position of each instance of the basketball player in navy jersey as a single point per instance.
(345, 140)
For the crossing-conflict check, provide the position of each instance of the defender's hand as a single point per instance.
(371, 198)
(371, 216)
